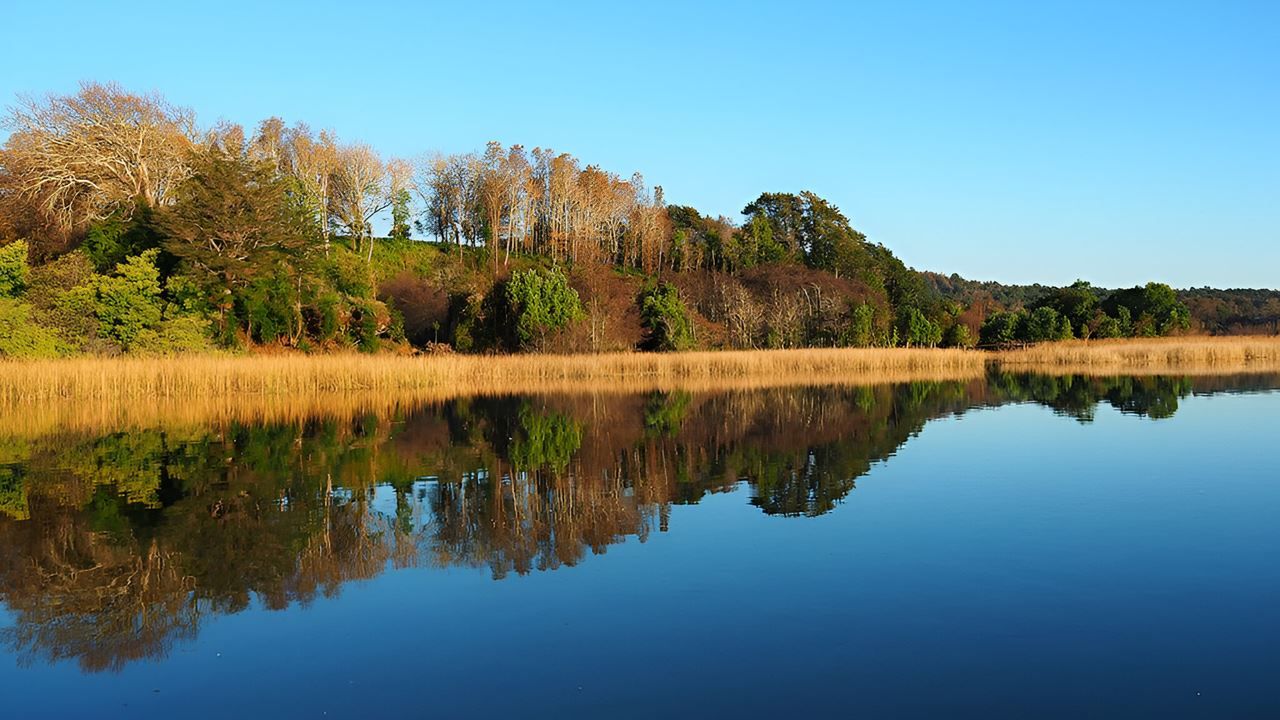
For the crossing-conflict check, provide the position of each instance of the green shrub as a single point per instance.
(348, 273)
(21, 336)
(182, 334)
(541, 302)
(129, 301)
(861, 327)
(958, 336)
(14, 271)
(666, 319)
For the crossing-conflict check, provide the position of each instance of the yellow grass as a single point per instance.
(1188, 355)
(128, 392)
(193, 378)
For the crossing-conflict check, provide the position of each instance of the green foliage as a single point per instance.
(127, 302)
(268, 309)
(1155, 309)
(400, 215)
(325, 322)
(1044, 324)
(666, 319)
(861, 326)
(183, 334)
(236, 219)
(13, 492)
(1077, 303)
(367, 325)
(21, 336)
(916, 330)
(1001, 328)
(14, 271)
(348, 274)
(958, 336)
(109, 242)
(541, 302)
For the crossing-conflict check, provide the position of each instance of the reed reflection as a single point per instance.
(115, 546)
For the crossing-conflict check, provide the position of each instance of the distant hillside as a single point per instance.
(1235, 311)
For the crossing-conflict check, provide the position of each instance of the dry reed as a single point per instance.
(138, 392)
(189, 378)
(1187, 355)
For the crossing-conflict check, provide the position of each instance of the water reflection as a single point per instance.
(114, 547)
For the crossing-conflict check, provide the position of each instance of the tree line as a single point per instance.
(127, 227)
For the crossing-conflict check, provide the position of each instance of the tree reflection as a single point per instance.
(113, 548)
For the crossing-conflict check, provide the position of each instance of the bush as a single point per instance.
(958, 336)
(861, 328)
(21, 337)
(14, 271)
(348, 273)
(268, 310)
(126, 303)
(182, 334)
(541, 302)
(666, 319)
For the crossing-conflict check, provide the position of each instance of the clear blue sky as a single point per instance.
(1020, 141)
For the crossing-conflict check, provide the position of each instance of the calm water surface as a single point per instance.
(1017, 546)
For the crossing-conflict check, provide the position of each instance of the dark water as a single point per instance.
(1015, 547)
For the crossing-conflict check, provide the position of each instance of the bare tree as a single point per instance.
(360, 189)
(82, 157)
(313, 162)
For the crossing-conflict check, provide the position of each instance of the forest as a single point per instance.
(128, 228)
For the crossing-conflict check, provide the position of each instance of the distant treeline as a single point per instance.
(125, 227)
(1239, 311)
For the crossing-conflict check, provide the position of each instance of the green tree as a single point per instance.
(14, 271)
(1044, 324)
(236, 220)
(1154, 309)
(1001, 328)
(541, 302)
(666, 319)
(1078, 303)
(400, 213)
(128, 302)
(916, 330)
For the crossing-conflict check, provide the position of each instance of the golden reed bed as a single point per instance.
(188, 378)
(1183, 355)
(132, 392)
(89, 395)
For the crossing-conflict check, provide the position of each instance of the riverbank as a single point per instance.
(186, 379)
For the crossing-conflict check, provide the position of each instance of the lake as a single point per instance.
(1008, 546)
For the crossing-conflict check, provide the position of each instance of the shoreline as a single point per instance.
(211, 377)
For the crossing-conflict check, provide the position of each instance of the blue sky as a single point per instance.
(1114, 141)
